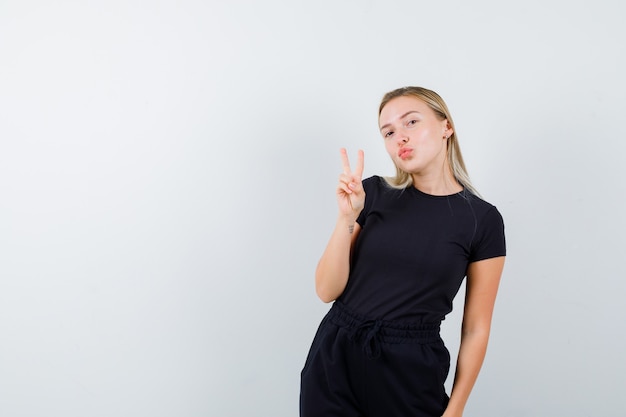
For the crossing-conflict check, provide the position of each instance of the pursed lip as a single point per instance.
(404, 152)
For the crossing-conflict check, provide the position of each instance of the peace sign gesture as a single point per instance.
(350, 193)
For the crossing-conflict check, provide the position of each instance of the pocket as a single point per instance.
(320, 335)
(441, 355)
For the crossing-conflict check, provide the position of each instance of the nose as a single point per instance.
(403, 138)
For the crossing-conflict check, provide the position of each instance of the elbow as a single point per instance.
(324, 294)
(329, 285)
(479, 331)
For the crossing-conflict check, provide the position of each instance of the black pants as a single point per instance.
(372, 368)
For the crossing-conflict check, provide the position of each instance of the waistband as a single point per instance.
(372, 332)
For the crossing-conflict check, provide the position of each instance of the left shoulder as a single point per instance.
(482, 209)
(488, 239)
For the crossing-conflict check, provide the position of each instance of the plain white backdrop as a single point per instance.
(167, 174)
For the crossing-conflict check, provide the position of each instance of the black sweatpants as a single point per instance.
(372, 368)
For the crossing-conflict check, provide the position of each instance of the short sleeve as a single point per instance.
(371, 186)
(489, 241)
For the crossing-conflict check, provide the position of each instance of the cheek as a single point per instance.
(389, 147)
(425, 135)
(431, 140)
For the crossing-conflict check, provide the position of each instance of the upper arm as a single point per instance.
(483, 279)
(355, 235)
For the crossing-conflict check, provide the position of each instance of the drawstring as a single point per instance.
(371, 344)
(372, 333)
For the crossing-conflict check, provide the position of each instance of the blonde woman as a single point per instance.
(396, 259)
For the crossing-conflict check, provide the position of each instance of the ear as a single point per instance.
(447, 130)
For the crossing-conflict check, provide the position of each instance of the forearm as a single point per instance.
(472, 352)
(331, 275)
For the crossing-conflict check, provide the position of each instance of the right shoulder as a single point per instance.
(377, 189)
(373, 182)
(377, 185)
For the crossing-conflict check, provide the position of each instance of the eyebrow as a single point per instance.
(401, 117)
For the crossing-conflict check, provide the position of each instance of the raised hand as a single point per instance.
(350, 193)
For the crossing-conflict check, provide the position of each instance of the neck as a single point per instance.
(442, 183)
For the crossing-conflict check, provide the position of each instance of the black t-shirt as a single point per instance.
(413, 250)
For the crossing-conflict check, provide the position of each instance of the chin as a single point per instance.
(410, 168)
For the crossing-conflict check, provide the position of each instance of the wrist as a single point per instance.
(454, 409)
(346, 222)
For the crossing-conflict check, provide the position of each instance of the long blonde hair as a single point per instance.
(454, 156)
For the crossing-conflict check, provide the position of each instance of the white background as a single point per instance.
(167, 174)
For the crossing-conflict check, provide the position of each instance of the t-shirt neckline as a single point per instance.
(419, 192)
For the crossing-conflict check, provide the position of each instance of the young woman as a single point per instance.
(398, 254)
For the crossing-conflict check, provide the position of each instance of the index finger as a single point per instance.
(344, 161)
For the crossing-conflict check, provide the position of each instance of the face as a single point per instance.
(415, 137)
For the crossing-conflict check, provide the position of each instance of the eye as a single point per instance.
(411, 122)
(388, 134)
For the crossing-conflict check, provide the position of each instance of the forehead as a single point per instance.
(399, 106)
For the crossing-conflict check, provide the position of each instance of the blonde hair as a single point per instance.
(454, 156)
